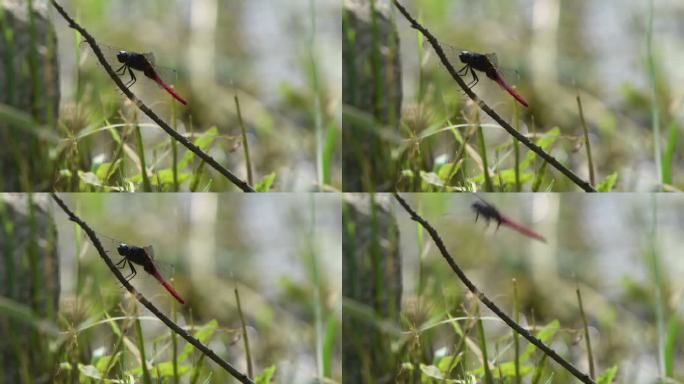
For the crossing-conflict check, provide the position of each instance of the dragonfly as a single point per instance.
(132, 255)
(142, 62)
(486, 63)
(489, 213)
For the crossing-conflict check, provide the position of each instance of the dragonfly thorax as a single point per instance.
(487, 211)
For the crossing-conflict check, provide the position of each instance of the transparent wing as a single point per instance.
(166, 269)
(108, 243)
(169, 75)
(492, 59)
(452, 53)
(149, 250)
(150, 57)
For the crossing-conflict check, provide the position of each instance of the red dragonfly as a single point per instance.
(144, 257)
(489, 213)
(140, 62)
(483, 62)
(143, 62)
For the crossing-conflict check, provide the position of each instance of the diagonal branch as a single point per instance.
(245, 187)
(586, 186)
(583, 377)
(175, 327)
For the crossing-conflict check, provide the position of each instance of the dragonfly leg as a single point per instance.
(464, 73)
(132, 80)
(121, 70)
(121, 263)
(464, 70)
(475, 79)
(133, 272)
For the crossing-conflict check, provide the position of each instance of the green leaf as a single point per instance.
(607, 376)
(202, 334)
(89, 371)
(89, 178)
(508, 369)
(103, 169)
(608, 183)
(166, 177)
(331, 141)
(431, 178)
(203, 141)
(671, 345)
(165, 369)
(266, 375)
(266, 183)
(547, 140)
(508, 176)
(104, 362)
(448, 362)
(431, 372)
(544, 335)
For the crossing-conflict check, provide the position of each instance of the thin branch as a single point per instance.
(245, 142)
(177, 136)
(586, 186)
(587, 142)
(583, 377)
(176, 328)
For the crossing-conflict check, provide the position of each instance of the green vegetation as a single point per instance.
(624, 136)
(596, 293)
(101, 142)
(287, 306)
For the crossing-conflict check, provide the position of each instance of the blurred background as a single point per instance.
(280, 59)
(283, 254)
(623, 251)
(623, 59)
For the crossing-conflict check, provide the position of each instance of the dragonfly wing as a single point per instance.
(149, 56)
(150, 251)
(493, 59)
(452, 53)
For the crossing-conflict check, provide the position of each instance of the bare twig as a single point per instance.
(245, 142)
(585, 323)
(586, 140)
(173, 326)
(583, 377)
(586, 186)
(170, 131)
(245, 337)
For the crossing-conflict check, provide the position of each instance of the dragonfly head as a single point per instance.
(122, 56)
(464, 56)
(122, 248)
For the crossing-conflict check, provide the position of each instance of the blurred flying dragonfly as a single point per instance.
(482, 62)
(489, 213)
(128, 61)
(141, 256)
